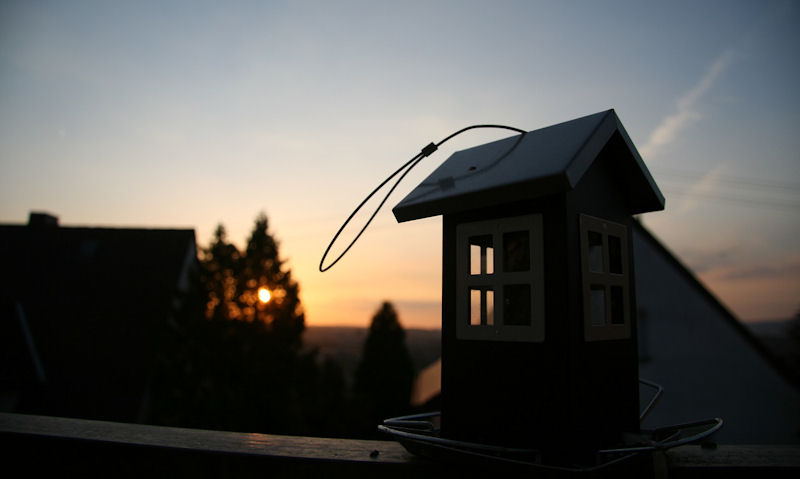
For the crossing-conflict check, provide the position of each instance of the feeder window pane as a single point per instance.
(516, 251)
(596, 252)
(617, 305)
(598, 295)
(490, 307)
(614, 254)
(474, 259)
(481, 255)
(474, 307)
(481, 307)
(517, 304)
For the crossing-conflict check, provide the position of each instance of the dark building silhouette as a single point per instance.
(709, 363)
(82, 311)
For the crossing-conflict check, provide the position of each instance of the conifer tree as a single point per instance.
(219, 268)
(261, 269)
(385, 374)
(248, 357)
(253, 286)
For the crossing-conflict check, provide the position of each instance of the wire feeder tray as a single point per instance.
(420, 435)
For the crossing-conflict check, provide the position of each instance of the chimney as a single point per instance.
(38, 219)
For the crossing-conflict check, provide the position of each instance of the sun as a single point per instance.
(264, 295)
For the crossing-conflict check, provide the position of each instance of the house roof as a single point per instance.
(540, 162)
(791, 375)
(94, 300)
(98, 266)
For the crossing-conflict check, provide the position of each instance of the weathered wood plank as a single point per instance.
(99, 448)
(309, 448)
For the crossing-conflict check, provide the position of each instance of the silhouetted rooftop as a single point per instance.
(92, 300)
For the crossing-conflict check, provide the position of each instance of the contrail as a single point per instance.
(686, 112)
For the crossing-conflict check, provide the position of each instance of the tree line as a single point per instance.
(232, 355)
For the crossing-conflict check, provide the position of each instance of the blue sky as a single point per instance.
(187, 114)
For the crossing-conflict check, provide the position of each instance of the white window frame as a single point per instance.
(498, 331)
(604, 280)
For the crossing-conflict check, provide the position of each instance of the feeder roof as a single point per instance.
(538, 163)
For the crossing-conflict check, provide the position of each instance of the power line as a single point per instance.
(763, 203)
(736, 192)
(764, 193)
(757, 183)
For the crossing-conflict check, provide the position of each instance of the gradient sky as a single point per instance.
(188, 114)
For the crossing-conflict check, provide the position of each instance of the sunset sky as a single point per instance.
(189, 114)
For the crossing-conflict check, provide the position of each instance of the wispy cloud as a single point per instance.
(686, 109)
(707, 258)
(788, 268)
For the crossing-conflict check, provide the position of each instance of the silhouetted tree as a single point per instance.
(239, 365)
(233, 280)
(385, 373)
(218, 275)
(262, 268)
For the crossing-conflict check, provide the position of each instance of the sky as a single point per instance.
(190, 114)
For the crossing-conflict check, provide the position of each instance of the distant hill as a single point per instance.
(344, 344)
(769, 328)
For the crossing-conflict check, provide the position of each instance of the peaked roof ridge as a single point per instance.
(544, 161)
(589, 149)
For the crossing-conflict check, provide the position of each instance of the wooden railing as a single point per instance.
(52, 445)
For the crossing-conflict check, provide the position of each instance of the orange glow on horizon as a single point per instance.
(264, 295)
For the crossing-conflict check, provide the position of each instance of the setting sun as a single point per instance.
(264, 295)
